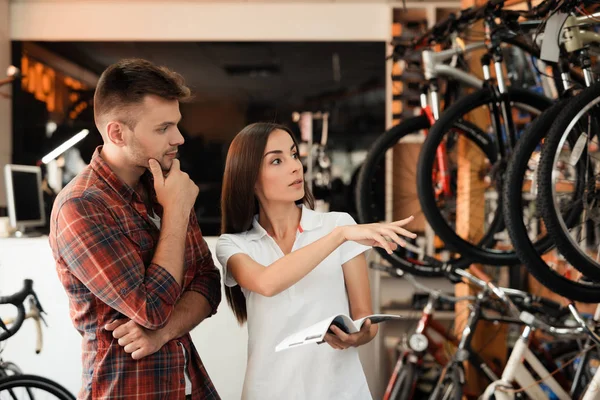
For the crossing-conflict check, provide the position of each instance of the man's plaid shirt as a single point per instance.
(103, 242)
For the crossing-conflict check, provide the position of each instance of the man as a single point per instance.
(128, 248)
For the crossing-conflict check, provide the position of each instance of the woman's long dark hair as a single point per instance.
(238, 201)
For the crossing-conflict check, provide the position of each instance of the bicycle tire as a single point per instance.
(512, 195)
(364, 194)
(454, 376)
(37, 382)
(528, 253)
(403, 385)
(426, 161)
(587, 97)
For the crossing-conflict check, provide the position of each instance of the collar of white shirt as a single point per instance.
(308, 221)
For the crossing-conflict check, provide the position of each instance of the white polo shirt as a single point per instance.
(312, 372)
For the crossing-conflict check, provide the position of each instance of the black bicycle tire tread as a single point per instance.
(436, 133)
(563, 243)
(512, 194)
(383, 142)
(376, 152)
(393, 135)
(34, 381)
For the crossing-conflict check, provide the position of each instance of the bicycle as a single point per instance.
(516, 371)
(13, 383)
(369, 185)
(413, 361)
(505, 110)
(452, 379)
(411, 364)
(524, 183)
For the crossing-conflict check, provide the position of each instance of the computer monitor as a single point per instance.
(24, 197)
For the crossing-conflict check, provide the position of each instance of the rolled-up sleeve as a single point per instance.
(101, 256)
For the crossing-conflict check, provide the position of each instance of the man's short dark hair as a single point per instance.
(128, 82)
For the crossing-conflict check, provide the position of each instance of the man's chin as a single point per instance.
(166, 165)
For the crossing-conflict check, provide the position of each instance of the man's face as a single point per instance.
(156, 134)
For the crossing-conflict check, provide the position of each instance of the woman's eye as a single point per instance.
(276, 161)
(295, 155)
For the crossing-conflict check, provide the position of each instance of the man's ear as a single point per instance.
(115, 133)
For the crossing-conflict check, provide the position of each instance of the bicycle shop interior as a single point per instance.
(454, 112)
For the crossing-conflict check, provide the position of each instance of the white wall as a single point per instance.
(5, 104)
(220, 341)
(190, 20)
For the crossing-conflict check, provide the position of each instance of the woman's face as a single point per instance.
(281, 177)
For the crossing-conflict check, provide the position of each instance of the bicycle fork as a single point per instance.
(432, 111)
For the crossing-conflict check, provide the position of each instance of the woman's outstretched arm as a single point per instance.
(289, 269)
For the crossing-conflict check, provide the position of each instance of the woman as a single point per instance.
(287, 267)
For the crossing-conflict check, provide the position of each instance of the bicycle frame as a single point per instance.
(573, 38)
(434, 66)
(522, 348)
(434, 348)
(426, 323)
(516, 371)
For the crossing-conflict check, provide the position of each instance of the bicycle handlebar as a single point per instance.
(582, 323)
(17, 299)
(468, 16)
(537, 323)
(399, 273)
(508, 296)
(436, 293)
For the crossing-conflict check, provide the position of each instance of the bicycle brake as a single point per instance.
(36, 303)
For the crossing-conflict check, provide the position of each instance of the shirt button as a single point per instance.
(182, 381)
(123, 291)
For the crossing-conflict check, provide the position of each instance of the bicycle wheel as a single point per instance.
(450, 385)
(577, 123)
(404, 386)
(29, 387)
(513, 206)
(371, 189)
(446, 133)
